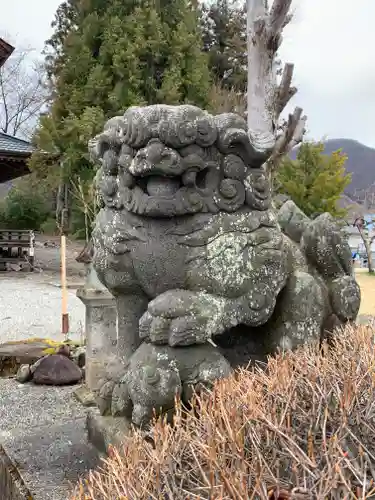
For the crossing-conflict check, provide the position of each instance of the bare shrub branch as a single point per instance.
(302, 429)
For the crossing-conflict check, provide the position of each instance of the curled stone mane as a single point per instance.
(163, 161)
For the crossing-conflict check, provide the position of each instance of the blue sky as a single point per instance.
(330, 42)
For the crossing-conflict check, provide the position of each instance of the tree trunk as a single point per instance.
(260, 78)
(265, 99)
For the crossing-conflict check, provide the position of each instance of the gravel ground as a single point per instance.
(43, 432)
(31, 307)
(31, 302)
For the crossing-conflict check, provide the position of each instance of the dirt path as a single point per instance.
(367, 284)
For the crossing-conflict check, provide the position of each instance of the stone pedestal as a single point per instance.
(100, 332)
(106, 432)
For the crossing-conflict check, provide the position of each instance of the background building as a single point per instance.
(5, 51)
(14, 153)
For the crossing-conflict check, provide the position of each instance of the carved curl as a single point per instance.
(162, 161)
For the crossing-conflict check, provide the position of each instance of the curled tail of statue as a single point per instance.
(328, 256)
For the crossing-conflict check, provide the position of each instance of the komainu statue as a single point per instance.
(208, 273)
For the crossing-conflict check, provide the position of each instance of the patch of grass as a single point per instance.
(302, 429)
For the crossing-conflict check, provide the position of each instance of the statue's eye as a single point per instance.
(141, 155)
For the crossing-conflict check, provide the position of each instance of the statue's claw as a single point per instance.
(180, 317)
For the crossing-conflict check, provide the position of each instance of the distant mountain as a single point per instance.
(360, 163)
(353, 208)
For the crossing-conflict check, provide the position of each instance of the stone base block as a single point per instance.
(104, 432)
(85, 396)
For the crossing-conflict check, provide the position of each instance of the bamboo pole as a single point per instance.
(64, 289)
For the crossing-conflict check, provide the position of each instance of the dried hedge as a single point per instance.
(302, 428)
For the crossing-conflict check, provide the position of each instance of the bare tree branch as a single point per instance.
(279, 15)
(284, 91)
(23, 94)
(299, 132)
(361, 224)
(291, 135)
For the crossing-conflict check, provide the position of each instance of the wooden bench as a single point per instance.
(16, 247)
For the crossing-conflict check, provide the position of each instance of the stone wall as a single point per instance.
(12, 486)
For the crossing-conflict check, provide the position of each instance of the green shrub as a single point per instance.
(50, 227)
(22, 210)
(2, 213)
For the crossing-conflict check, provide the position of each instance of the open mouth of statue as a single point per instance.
(156, 185)
(159, 186)
(160, 195)
(161, 183)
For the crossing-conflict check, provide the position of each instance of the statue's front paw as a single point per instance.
(180, 318)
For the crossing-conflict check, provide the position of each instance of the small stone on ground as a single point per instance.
(57, 369)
